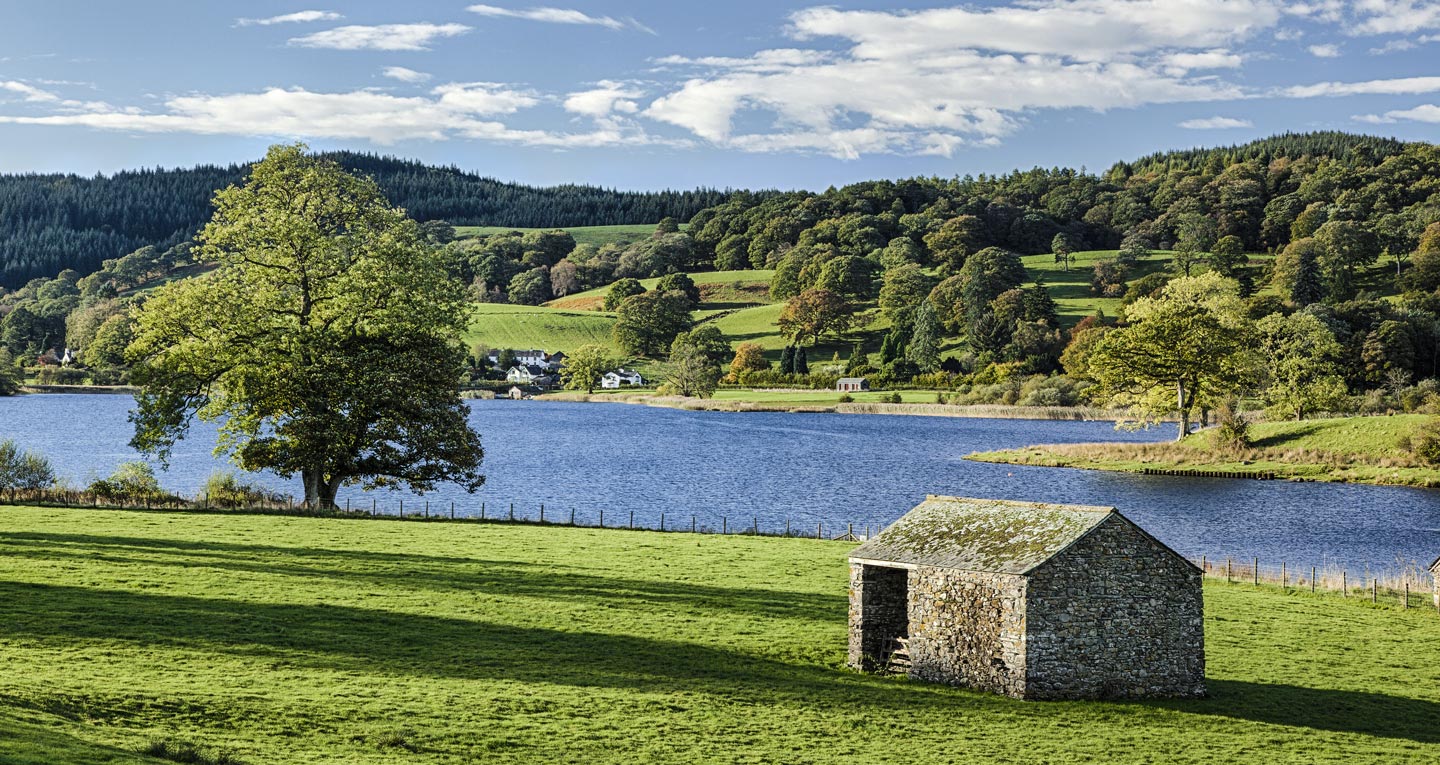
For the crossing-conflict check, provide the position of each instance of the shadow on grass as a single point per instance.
(1370, 714)
(428, 572)
(1298, 431)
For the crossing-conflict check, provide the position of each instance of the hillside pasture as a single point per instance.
(591, 235)
(273, 640)
(500, 325)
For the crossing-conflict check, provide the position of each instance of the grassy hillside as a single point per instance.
(593, 235)
(1349, 449)
(500, 325)
(273, 640)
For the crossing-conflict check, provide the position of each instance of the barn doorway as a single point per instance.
(885, 615)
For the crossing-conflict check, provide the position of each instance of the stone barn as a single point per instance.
(1030, 600)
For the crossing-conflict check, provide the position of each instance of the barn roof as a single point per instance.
(993, 535)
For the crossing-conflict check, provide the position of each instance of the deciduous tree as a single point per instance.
(325, 342)
(584, 367)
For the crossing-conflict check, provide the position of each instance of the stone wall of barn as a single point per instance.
(1115, 616)
(877, 613)
(968, 628)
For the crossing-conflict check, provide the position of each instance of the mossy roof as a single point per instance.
(992, 535)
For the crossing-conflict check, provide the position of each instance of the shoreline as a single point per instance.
(971, 411)
(1140, 459)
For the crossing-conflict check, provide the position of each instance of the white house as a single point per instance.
(528, 374)
(622, 376)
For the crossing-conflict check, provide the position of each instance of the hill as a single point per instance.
(51, 222)
(269, 639)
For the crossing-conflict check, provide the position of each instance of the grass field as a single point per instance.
(280, 640)
(500, 325)
(1071, 289)
(592, 235)
(1349, 449)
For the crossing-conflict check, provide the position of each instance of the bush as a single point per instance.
(1232, 434)
(846, 398)
(187, 752)
(131, 481)
(225, 489)
(60, 376)
(24, 470)
(1425, 443)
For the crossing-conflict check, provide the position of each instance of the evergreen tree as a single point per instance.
(858, 359)
(802, 365)
(787, 360)
(924, 350)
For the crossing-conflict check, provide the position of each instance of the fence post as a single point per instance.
(1312, 579)
(1284, 575)
(817, 531)
(1204, 569)
(542, 512)
(602, 517)
(402, 508)
(692, 524)
(850, 530)
(452, 509)
(787, 527)
(572, 516)
(662, 521)
(1344, 584)
(1227, 570)
(632, 519)
(724, 525)
(373, 511)
(1374, 590)
(1255, 569)
(427, 508)
(1406, 604)
(512, 511)
(482, 511)
(755, 524)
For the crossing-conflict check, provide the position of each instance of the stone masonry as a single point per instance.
(1029, 600)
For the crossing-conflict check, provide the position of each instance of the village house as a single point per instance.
(852, 384)
(529, 374)
(621, 378)
(1031, 600)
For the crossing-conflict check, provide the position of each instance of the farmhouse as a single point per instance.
(528, 374)
(619, 377)
(1030, 600)
(852, 384)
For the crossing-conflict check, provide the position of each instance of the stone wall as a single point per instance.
(877, 613)
(968, 628)
(1115, 616)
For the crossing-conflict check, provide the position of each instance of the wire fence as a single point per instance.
(1408, 586)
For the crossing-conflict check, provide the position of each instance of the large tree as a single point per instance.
(1301, 364)
(1182, 349)
(325, 342)
(584, 367)
(646, 324)
(815, 313)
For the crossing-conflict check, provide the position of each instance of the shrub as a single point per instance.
(225, 489)
(60, 376)
(894, 398)
(24, 470)
(131, 481)
(1232, 433)
(846, 398)
(1425, 443)
(187, 752)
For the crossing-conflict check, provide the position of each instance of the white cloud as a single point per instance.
(299, 17)
(1217, 58)
(28, 92)
(930, 81)
(1426, 113)
(1379, 17)
(453, 110)
(1395, 87)
(1081, 29)
(549, 15)
(382, 37)
(1324, 51)
(604, 100)
(403, 74)
(1216, 123)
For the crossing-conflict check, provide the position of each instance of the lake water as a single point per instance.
(805, 469)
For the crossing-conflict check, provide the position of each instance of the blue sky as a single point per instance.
(681, 94)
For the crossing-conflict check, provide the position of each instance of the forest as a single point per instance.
(49, 223)
(1301, 270)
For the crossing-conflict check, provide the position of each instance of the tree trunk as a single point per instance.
(1184, 407)
(319, 492)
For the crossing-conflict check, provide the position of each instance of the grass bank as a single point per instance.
(1342, 449)
(339, 641)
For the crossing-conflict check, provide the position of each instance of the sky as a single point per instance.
(736, 94)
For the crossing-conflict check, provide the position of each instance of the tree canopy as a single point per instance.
(324, 342)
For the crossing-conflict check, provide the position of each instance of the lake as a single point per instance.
(806, 469)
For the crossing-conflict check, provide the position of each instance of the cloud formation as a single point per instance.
(1425, 113)
(1324, 51)
(403, 74)
(548, 15)
(1216, 123)
(299, 17)
(382, 37)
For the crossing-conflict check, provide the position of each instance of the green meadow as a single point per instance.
(249, 639)
(592, 235)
